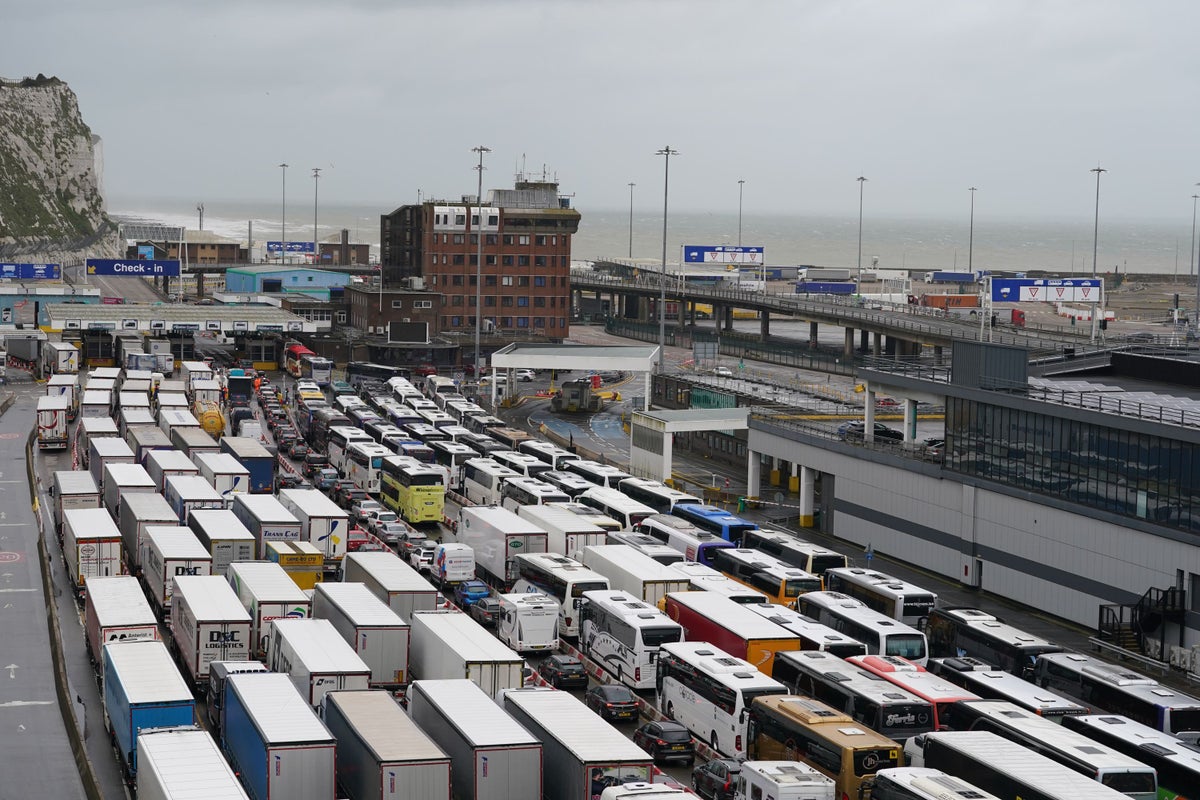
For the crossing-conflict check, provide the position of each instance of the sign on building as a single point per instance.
(31, 272)
(292, 247)
(1045, 290)
(722, 255)
(408, 332)
(121, 268)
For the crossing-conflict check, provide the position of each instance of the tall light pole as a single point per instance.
(316, 173)
(861, 182)
(479, 259)
(200, 208)
(1192, 258)
(666, 152)
(1095, 242)
(741, 183)
(283, 217)
(971, 236)
(631, 185)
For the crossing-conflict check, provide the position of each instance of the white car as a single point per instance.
(501, 380)
(421, 557)
(375, 519)
(525, 375)
(722, 372)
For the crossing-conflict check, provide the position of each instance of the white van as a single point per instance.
(783, 780)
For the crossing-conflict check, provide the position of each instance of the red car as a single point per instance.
(424, 369)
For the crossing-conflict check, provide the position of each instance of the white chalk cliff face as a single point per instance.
(51, 205)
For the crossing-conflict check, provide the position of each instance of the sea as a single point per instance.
(917, 244)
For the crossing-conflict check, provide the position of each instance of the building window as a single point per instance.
(523, 280)
(458, 238)
(474, 260)
(475, 220)
(489, 260)
(554, 241)
(523, 239)
(490, 300)
(506, 280)
(552, 322)
(508, 261)
(456, 280)
(539, 322)
(506, 322)
(489, 280)
(553, 301)
(522, 322)
(473, 280)
(506, 300)
(460, 219)
(562, 322)
(522, 261)
(539, 261)
(475, 239)
(490, 239)
(541, 241)
(508, 238)
(397, 304)
(341, 318)
(493, 220)
(456, 299)
(563, 261)
(539, 280)
(522, 301)
(539, 301)
(458, 259)
(422, 304)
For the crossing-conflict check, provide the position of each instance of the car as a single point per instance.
(933, 447)
(468, 593)
(338, 485)
(391, 532)
(421, 557)
(721, 372)
(563, 672)
(499, 380)
(352, 496)
(486, 611)
(716, 779)
(854, 430)
(325, 479)
(298, 450)
(422, 370)
(523, 375)
(613, 702)
(666, 740)
(364, 507)
(377, 517)
(290, 480)
(409, 541)
(314, 462)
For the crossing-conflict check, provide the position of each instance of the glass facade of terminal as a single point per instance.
(1153, 478)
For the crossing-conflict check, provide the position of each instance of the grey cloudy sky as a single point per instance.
(1021, 99)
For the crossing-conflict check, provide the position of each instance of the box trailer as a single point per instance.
(73, 489)
(303, 562)
(91, 545)
(193, 441)
(322, 522)
(52, 422)
(581, 753)
(96, 403)
(92, 428)
(104, 451)
(267, 519)
(187, 493)
(192, 371)
(566, 532)
(714, 618)
(376, 633)
(208, 623)
(223, 535)
(381, 753)
(274, 740)
(631, 570)
(167, 553)
(267, 593)
(145, 439)
(58, 357)
(184, 764)
(316, 657)
(139, 511)
(121, 480)
(491, 756)
(133, 417)
(391, 580)
(204, 391)
(224, 472)
(257, 460)
(162, 464)
(116, 610)
(497, 535)
(449, 644)
(218, 674)
(171, 418)
(66, 386)
(142, 689)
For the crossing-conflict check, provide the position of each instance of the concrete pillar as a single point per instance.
(848, 347)
(775, 471)
(812, 334)
(199, 284)
(643, 309)
(764, 325)
(718, 316)
(889, 346)
(668, 443)
(869, 417)
(937, 354)
(910, 421)
(727, 319)
(808, 485)
(863, 337)
(794, 480)
(876, 343)
(753, 473)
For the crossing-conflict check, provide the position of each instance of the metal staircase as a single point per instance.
(1127, 626)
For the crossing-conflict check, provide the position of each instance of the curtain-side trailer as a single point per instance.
(184, 764)
(142, 689)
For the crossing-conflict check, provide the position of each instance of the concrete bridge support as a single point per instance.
(812, 334)
(863, 340)
(807, 489)
(727, 319)
(876, 343)
(753, 473)
(764, 325)
(848, 347)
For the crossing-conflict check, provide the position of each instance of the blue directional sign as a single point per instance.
(132, 268)
(31, 272)
(1046, 290)
(722, 254)
(292, 247)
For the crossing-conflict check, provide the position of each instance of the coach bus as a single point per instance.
(797, 552)
(933, 689)
(880, 633)
(363, 371)
(813, 635)
(778, 581)
(564, 579)
(413, 490)
(706, 579)
(996, 684)
(659, 496)
(695, 544)
(364, 464)
(714, 520)
(625, 510)
(971, 632)
(920, 783)
(1177, 763)
(339, 441)
(709, 617)
(623, 635)
(292, 355)
(317, 369)
(898, 599)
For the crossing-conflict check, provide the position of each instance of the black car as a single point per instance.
(613, 702)
(563, 672)
(348, 497)
(290, 480)
(313, 462)
(854, 430)
(715, 780)
(298, 449)
(666, 741)
(486, 611)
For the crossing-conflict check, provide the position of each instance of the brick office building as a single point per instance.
(526, 257)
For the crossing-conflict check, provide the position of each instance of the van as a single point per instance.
(784, 780)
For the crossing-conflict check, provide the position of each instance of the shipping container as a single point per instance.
(142, 689)
(193, 441)
(275, 742)
(449, 644)
(391, 580)
(138, 511)
(566, 532)
(322, 522)
(303, 562)
(496, 535)
(377, 634)
(266, 518)
(91, 545)
(950, 300)
(52, 415)
(267, 593)
(161, 464)
(116, 611)
(169, 552)
(184, 764)
(186, 493)
(381, 753)
(73, 489)
(224, 536)
(121, 480)
(491, 756)
(208, 623)
(224, 472)
(257, 460)
(711, 617)
(582, 754)
(316, 657)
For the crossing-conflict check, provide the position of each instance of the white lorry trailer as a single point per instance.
(169, 552)
(566, 532)
(91, 545)
(391, 580)
(208, 623)
(267, 519)
(322, 522)
(224, 536)
(496, 535)
(376, 633)
(449, 644)
(316, 657)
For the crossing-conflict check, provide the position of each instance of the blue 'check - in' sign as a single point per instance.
(132, 268)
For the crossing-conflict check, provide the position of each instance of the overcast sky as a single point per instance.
(925, 99)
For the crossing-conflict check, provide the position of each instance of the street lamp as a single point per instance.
(1095, 242)
(861, 181)
(479, 257)
(200, 208)
(666, 152)
(316, 173)
(971, 236)
(741, 183)
(283, 217)
(631, 185)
